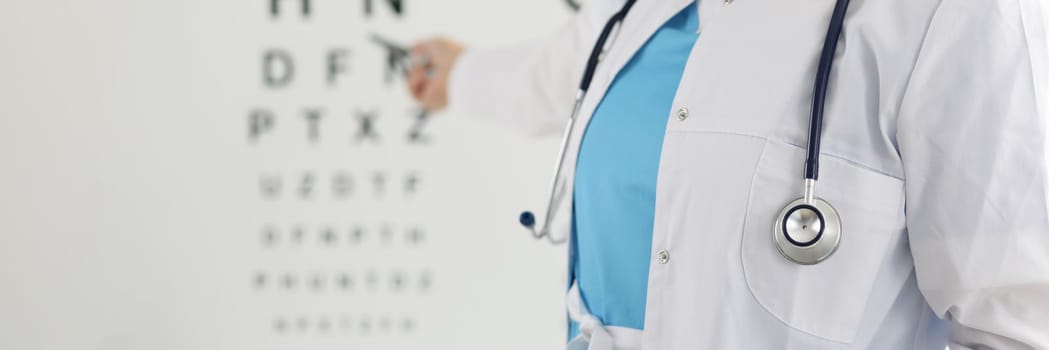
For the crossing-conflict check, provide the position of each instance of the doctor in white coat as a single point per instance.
(934, 153)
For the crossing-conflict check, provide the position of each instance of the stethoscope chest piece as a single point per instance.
(807, 232)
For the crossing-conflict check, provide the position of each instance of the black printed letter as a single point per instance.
(270, 61)
(259, 121)
(336, 64)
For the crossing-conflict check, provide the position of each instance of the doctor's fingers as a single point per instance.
(435, 94)
(432, 61)
(420, 73)
(426, 86)
(417, 81)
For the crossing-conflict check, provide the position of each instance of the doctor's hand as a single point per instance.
(432, 61)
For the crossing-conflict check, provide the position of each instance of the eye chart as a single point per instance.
(253, 175)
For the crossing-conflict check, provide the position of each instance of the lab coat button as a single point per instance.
(663, 256)
(682, 114)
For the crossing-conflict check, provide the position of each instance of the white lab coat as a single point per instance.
(934, 153)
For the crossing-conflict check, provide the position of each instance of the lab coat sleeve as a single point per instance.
(531, 85)
(971, 133)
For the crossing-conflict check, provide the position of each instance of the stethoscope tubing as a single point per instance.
(555, 185)
(527, 219)
(819, 90)
(599, 46)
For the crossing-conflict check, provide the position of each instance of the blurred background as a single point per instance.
(252, 174)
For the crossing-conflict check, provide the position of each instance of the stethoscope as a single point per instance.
(807, 229)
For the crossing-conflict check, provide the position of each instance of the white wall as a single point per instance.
(130, 209)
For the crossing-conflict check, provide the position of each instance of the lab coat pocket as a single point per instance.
(828, 299)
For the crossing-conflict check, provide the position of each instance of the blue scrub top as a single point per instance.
(615, 181)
